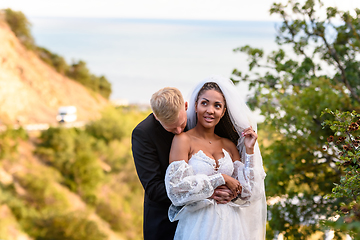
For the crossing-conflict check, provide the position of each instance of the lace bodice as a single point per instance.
(201, 163)
(196, 180)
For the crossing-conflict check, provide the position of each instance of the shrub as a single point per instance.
(41, 193)
(20, 25)
(80, 73)
(112, 215)
(117, 211)
(9, 140)
(71, 152)
(53, 60)
(69, 226)
(19, 208)
(345, 145)
(117, 154)
(87, 174)
(109, 127)
(58, 148)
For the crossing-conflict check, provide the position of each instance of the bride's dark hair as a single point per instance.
(224, 128)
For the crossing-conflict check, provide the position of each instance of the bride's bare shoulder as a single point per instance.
(184, 136)
(180, 148)
(181, 141)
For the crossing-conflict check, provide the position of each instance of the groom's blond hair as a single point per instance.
(166, 104)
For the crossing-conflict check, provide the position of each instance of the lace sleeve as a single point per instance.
(183, 186)
(245, 174)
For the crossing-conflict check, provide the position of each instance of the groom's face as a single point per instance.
(179, 125)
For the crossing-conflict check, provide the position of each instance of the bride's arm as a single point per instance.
(243, 168)
(180, 148)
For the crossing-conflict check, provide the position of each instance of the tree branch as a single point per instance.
(343, 74)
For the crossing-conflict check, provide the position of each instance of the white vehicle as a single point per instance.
(66, 114)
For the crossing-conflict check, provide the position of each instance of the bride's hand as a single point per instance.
(233, 184)
(250, 139)
(222, 194)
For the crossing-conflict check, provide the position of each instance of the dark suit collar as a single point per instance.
(160, 129)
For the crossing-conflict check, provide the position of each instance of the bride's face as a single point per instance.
(210, 107)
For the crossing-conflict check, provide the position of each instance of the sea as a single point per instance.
(140, 56)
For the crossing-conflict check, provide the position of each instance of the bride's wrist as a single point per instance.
(250, 150)
(225, 177)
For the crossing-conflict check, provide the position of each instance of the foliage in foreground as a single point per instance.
(345, 144)
(316, 67)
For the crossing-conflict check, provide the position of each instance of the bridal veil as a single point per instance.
(241, 118)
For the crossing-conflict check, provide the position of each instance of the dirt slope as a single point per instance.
(31, 91)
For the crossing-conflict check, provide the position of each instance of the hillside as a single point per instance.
(63, 183)
(31, 91)
(71, 183)
(12, 171)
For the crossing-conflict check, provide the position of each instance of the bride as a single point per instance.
(219, 149)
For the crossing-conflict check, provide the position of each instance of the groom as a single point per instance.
(151, 142)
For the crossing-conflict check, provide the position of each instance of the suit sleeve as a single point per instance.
(148, 166)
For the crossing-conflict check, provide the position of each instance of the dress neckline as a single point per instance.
(203, 154)
(211, 160)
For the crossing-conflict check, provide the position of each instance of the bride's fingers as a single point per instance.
(249, 132)
(235, 192)
(239, 190)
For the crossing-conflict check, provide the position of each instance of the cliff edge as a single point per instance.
(31, 91)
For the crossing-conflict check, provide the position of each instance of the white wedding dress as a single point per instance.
(189, 185)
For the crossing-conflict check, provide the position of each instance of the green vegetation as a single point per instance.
(20, 25)
(73, 180)
(70, 151)
(345, 145)
(316, 67)
(72, 226)
(79, 72)
(108, 127)
(53, 60)
(292, 87)
(9, 141)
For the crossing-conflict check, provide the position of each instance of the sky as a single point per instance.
(253, 10)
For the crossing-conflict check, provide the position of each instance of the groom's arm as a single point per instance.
(222, 194)
(148, 166)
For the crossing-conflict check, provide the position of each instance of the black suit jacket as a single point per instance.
(151, 147)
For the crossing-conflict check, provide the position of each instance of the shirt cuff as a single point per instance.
(217, 180)
(249, 160)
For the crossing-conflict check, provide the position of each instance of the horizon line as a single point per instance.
(157, 18)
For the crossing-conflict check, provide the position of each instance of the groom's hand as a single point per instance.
(222, 194)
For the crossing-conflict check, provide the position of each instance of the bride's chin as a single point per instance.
(208, 125)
